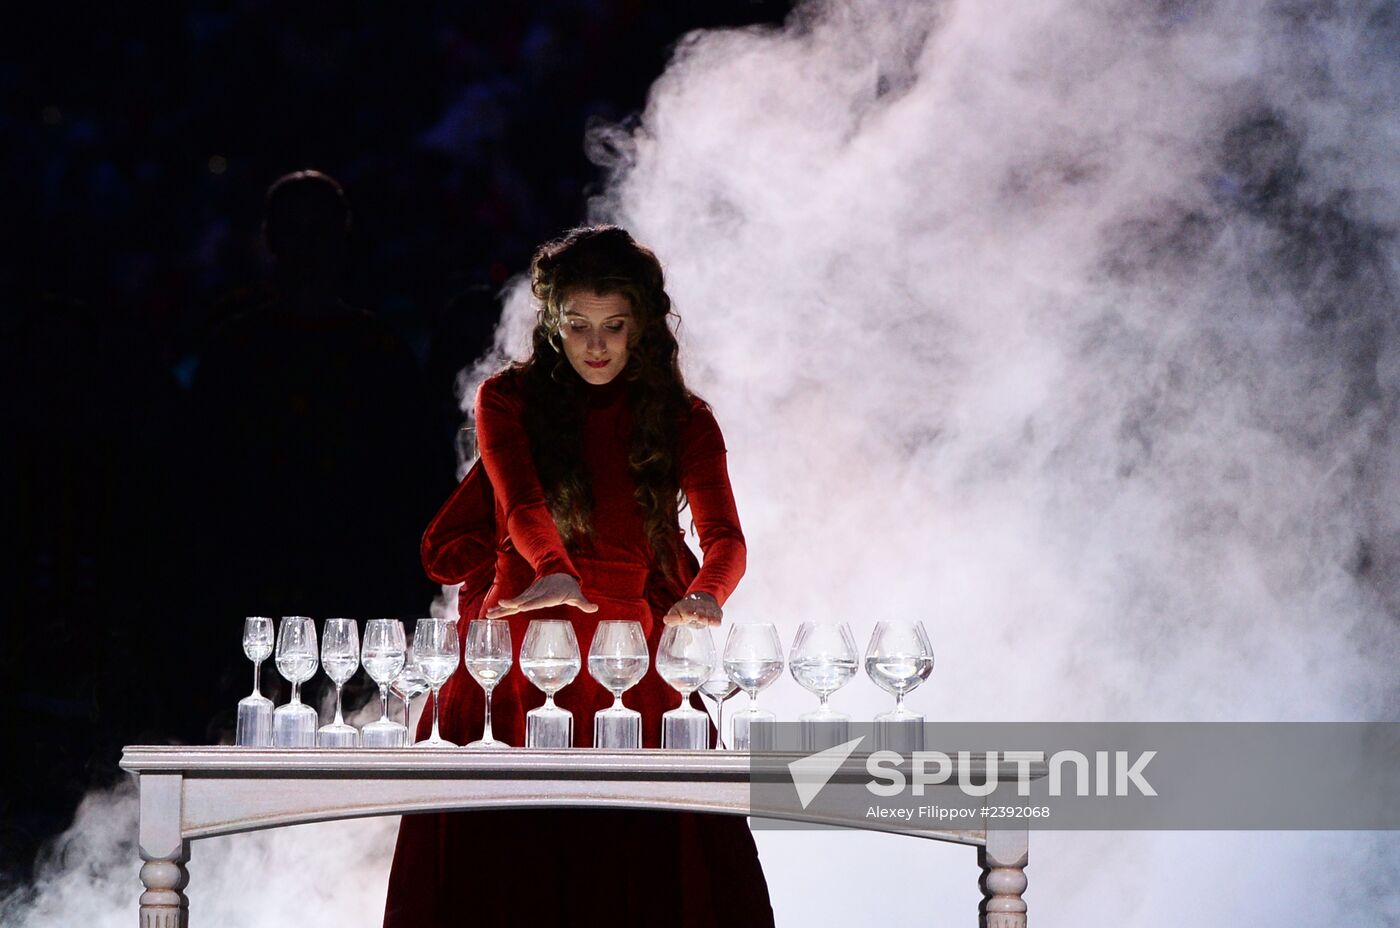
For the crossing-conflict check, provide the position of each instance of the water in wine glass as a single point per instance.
(617, 674)
(899, 674)
(823, 675)
(550, 674)
(753, 674)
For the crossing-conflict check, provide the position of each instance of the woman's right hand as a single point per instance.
(549, 590)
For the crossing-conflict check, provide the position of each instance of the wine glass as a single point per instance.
(254, 727)
(409, 685)
(715, 690)
(549, 658)
(340, 658)
(384, 654)
(488, 661)
(823, 660)
(685, 658)
(294, 725)
(899, 658)
(618, 659)
(753, 659)
(435, 652)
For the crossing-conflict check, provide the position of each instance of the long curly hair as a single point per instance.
(605, 260)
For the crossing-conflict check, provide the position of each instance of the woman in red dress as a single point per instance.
(588, 451)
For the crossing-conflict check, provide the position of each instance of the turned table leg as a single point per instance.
(165, 852)
(163, 904)
(1003, 862)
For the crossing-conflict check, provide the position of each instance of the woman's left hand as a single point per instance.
(695, 609)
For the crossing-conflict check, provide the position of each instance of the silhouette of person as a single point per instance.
(317, 443)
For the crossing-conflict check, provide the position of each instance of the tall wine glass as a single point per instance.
(685, 659)
(435, 651)
(488, 661)
(549, 658)
(294, 725)
(753, 659)
(899, 658)
(340, 658)
(254, 727)
(618, 659)
(823, 660)
(384, 654)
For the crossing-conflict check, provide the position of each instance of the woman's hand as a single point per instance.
(695, 609)
(549, 590)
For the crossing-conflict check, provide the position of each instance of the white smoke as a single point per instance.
(1066, 327)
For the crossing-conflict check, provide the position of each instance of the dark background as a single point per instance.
(138, 145)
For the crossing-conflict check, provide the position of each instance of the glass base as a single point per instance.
(254, 728)
(902, 732)
(617, 729)
(484, 745)
(337, 736)
(547, 727)
(383, 733)
(754, 731)
(431, 742)
(685, 729)
(294, 726)
(822, 729)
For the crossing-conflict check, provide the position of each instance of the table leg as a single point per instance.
(1003, 862)
(164, 904)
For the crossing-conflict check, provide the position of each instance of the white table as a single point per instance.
(187, 793)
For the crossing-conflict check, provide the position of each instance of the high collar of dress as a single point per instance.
(606, 394)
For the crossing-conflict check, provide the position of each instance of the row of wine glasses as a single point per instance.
(822, 660)
(388, 658)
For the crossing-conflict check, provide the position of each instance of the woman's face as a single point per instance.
(595, 331)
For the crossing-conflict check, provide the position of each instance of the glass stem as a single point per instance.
(719, 723)
(435, 737)
(617, 705)
(384, 701)
(296, 692)
(339, 719)
(257, 678)
(822, 697)
(486, 728)
(899, 701)
(407, 709)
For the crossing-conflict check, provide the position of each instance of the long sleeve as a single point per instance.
(704, 477)
(505, 453)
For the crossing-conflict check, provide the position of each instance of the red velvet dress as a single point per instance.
(574, 866)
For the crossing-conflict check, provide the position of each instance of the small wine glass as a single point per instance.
(340, 658)
(408, 686)
(753, 659)
(384, 655)
(715, 690)
(488, 660)
(549, 658)
(899, 658)
(254, 728)
(294, 725)
(435, 652)
(685, 658)
(618, 659)
(823, 660)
